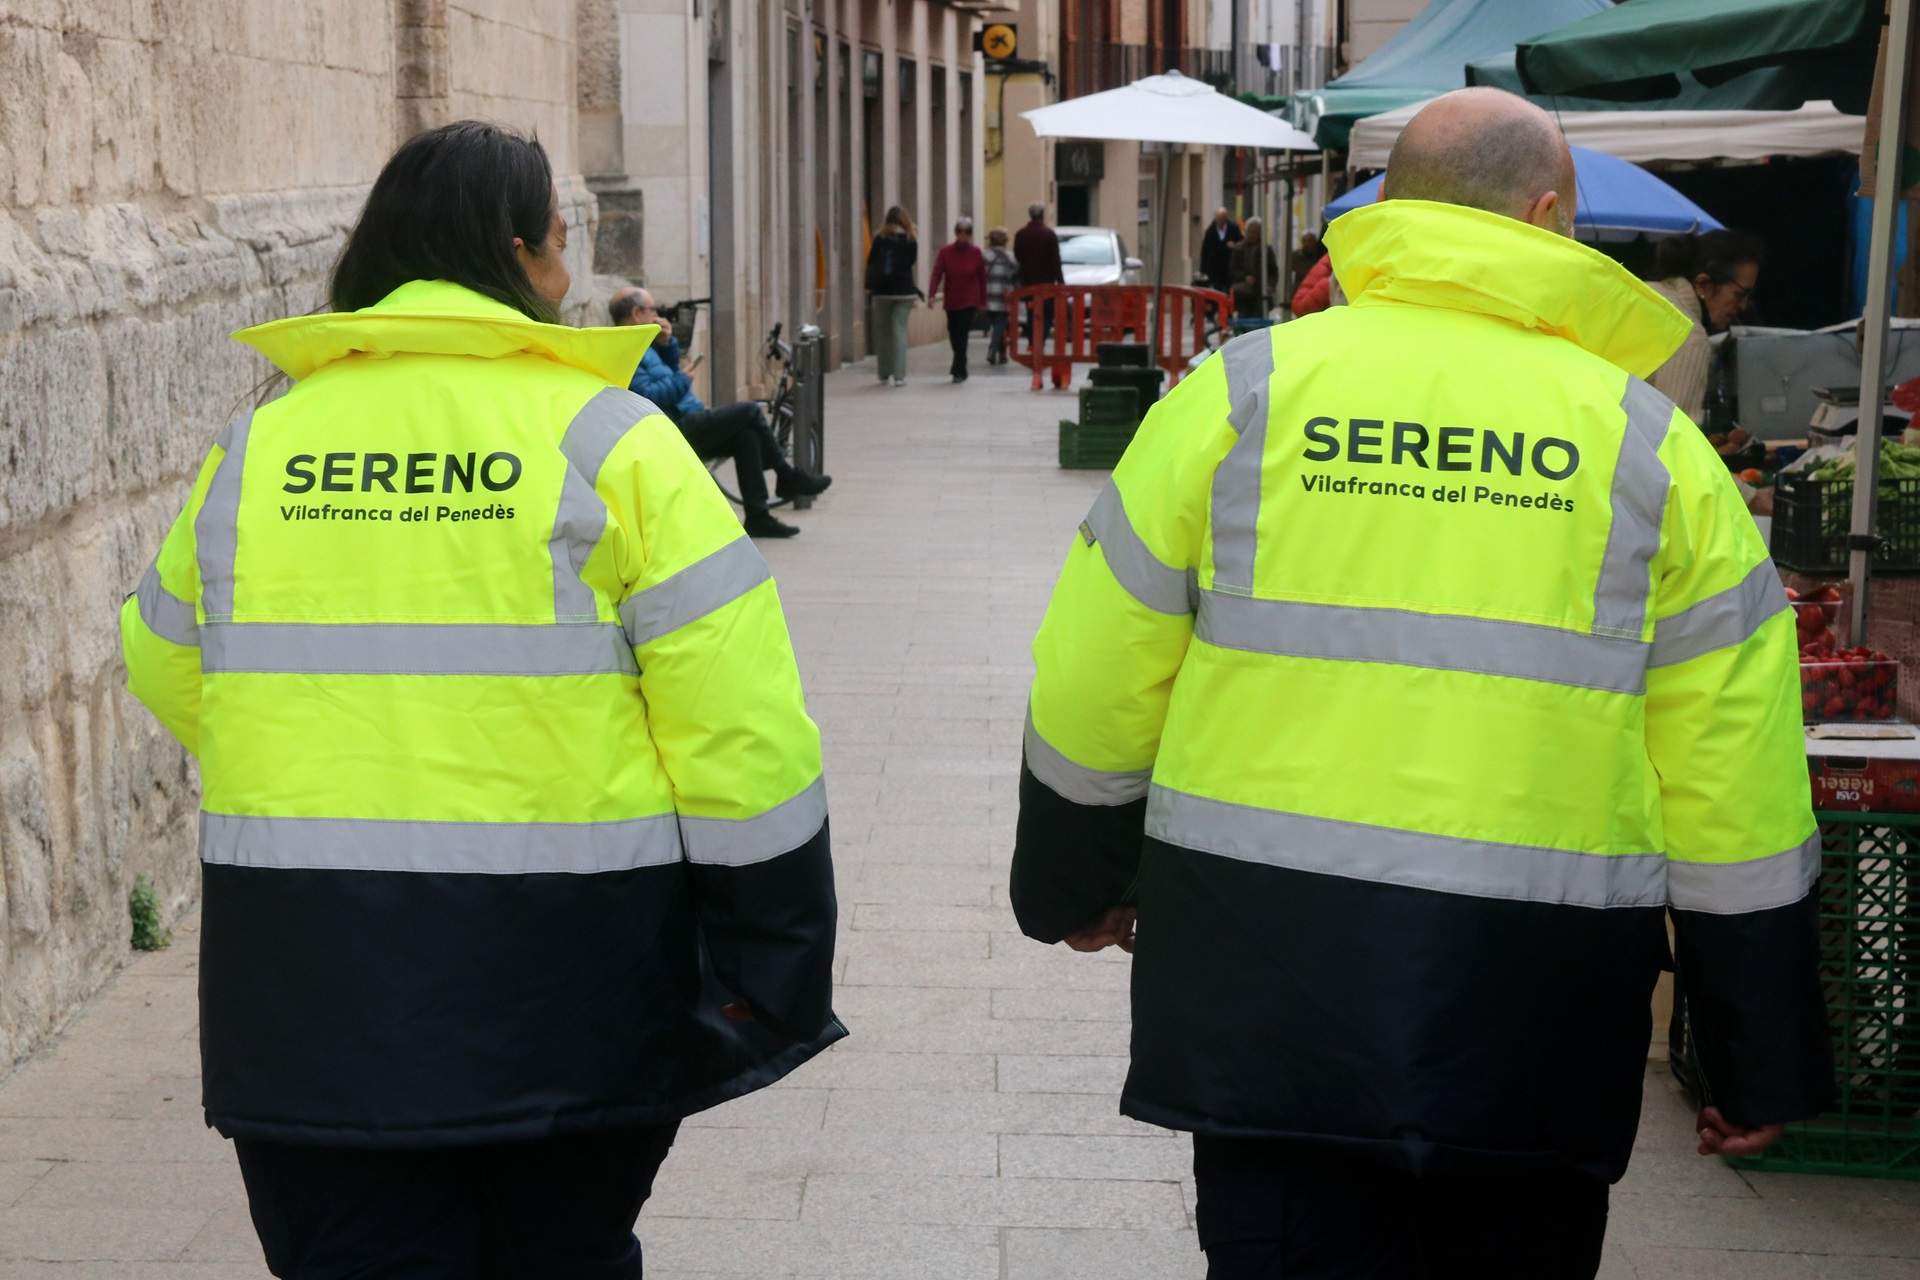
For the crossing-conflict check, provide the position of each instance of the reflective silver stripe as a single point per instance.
(440, 649)
(1414, 859)
(1445, 642)
(1155, 584)
(216, 530)
(166, 614)
(1759, 884)
(581, 518)
(1236, 483)
(1078, 783)
(694, 592)
(460, 848)
(1720, 621)
(740, 842)
(1640, 484)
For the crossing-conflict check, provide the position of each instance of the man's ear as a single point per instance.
(1544, 212)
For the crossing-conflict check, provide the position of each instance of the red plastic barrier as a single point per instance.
(1086, 315)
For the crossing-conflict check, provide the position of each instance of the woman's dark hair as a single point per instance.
(1717, 255)
(447, 206)
(897, 218)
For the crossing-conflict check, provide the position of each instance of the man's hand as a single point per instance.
(1721, 1137)
(1114, 929)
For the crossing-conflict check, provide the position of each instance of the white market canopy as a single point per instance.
(1168, 108)
(1643, 136)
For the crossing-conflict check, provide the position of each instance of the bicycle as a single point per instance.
(779, 408)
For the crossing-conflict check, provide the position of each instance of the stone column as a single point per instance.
(950, 123)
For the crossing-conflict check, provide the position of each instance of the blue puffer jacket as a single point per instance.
(659, 379)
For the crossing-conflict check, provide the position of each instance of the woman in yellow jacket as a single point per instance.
(514, 834)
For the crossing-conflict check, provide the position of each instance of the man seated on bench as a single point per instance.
(739, 431)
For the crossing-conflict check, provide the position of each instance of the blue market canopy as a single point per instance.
(1615, 196)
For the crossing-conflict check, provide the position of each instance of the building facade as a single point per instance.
(170, 173)
(764, 143)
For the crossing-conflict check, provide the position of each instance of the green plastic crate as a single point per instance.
(1109, 407)
(1092, 448)
(1870, 967)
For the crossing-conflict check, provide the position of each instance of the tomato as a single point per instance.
(1835, 708)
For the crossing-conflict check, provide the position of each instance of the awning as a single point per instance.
(1429, 55)
(1819, 128)
(1649, 49)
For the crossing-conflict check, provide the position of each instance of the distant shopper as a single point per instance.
(1003, 274)
(892, 292)
(514, 840)
(1256, 273)
(962, 269)
(1037, 248)
(1216, 250)
(738, 431)
(1710, 279)
(1306, 256)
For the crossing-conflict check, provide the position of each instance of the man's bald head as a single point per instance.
(629, 304)
(1486, 149)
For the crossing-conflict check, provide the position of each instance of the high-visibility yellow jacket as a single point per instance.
(508, 781)
(1434, 656)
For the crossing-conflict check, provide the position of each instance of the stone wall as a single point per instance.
(171, 170)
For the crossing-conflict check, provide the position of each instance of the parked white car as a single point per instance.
(1096, 255)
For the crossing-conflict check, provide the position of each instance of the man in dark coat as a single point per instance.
(1036, 247)
(1216, 250)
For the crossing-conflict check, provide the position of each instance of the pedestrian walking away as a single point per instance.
(1216, 250)
(1036, 247)
(1003, 276)
(891, 293)
(739, 431)
(1539, 679)
(513, 836)
(960, 269)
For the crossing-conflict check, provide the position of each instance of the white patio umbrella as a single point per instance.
(1170, 108)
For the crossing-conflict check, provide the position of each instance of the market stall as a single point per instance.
(1860, 503)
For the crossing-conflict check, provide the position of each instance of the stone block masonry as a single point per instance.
(170, 171)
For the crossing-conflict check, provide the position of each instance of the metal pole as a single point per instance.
(1167, 151)
(1874, 321)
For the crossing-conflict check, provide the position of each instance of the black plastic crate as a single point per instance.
(1124, 355)
(1146, 383)
(1812, 518)
(1869, 903)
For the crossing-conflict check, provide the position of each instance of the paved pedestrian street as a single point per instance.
(969, 1128)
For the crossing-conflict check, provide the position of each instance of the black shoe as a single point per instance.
(761, 524)
(798, 484)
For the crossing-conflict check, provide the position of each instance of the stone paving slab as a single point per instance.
(969, 1128)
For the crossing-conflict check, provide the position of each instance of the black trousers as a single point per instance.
(959, 327)
(738, 431)
(1281, 1211)
(561, 1209)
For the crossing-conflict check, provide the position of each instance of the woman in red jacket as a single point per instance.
(962, 269)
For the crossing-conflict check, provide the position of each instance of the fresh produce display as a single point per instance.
(1835, 683)
(1897, 462)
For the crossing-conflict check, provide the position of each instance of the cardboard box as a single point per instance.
(1865, 775)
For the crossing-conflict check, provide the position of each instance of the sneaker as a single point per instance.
(899, 382)
(798, 484)
(761, 524)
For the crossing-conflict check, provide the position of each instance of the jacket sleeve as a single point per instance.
(939, 273)
(1115, 634)
(727, 716)
(658, 381)
(160, 623)
(1724, 733)
(1315, 291)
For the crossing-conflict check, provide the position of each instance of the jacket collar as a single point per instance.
(438, 317)
(1441, 255)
